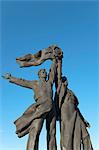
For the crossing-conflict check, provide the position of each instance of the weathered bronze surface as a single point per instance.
(64, 107)
(72, 124)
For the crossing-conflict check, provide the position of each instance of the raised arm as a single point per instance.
(52, 72)
(18, 81)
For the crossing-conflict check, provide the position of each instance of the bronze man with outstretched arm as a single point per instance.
(32, 119)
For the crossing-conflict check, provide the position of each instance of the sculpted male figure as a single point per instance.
(32, 119)
(72, 124)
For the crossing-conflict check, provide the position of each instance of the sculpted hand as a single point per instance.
(54, 60)
(7, 76)
(57, 52)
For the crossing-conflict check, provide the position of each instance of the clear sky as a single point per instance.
(29, 26)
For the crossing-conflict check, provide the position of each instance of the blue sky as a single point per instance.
(28, 26)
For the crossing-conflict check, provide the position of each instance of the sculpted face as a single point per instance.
(42, 73)
(65, 81)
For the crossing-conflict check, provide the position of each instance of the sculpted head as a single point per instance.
(65, 81)
(42, 73)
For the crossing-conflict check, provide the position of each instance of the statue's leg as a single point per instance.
(51, 131)
(86, 142)
(34, 132)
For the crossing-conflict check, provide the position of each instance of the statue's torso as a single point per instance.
(42, 90)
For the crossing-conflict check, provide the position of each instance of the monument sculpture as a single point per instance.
(63, 107)
(73, 125)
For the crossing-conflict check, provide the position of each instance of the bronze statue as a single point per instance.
(64, 107)
(32, 119)
(73, 126)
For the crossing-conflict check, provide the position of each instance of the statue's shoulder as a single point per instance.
(73, 96)
(70, 92)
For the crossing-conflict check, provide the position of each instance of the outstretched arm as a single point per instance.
(18, 81)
